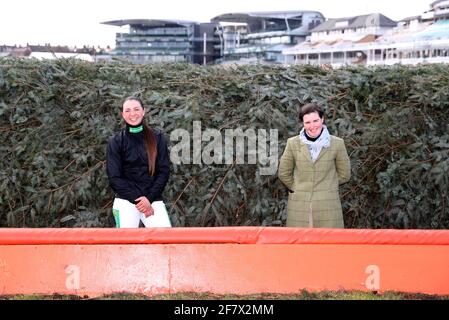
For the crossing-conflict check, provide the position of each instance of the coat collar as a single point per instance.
(305, 151)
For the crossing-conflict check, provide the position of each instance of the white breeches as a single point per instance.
(126, 215)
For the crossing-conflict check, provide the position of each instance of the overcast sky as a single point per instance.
(68, 22)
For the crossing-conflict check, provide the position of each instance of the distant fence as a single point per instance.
(56, 118)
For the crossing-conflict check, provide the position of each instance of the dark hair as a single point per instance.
(310, 108)
(149, 139)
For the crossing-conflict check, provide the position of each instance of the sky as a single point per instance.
(78, 23)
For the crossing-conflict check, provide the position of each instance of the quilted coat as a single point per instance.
(314, 199)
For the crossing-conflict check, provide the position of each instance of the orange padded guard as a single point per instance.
(238, 260)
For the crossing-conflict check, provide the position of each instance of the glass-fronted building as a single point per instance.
(262, 36)
(147, 40)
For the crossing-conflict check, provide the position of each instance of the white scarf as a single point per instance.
(324, 141)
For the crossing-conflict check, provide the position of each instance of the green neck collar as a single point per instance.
(136, 129)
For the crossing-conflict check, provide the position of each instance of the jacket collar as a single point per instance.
(305, 150)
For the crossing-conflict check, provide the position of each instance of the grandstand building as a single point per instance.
(261, 37)
(148, 41)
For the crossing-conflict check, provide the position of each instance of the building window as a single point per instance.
(295, 23)
(341, 24)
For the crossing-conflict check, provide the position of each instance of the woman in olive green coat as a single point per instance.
(313, 165)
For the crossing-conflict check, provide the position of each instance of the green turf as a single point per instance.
(303, 295)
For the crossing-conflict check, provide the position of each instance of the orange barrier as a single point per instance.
(238, 260)
(240, 235)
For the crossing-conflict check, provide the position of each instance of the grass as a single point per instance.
(303, 295)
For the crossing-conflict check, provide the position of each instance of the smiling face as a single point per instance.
(133, 112)
(313, 124)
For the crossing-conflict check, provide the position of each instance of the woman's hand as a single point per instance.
(144, 206)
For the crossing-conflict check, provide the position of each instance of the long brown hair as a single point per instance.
(149, 140)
